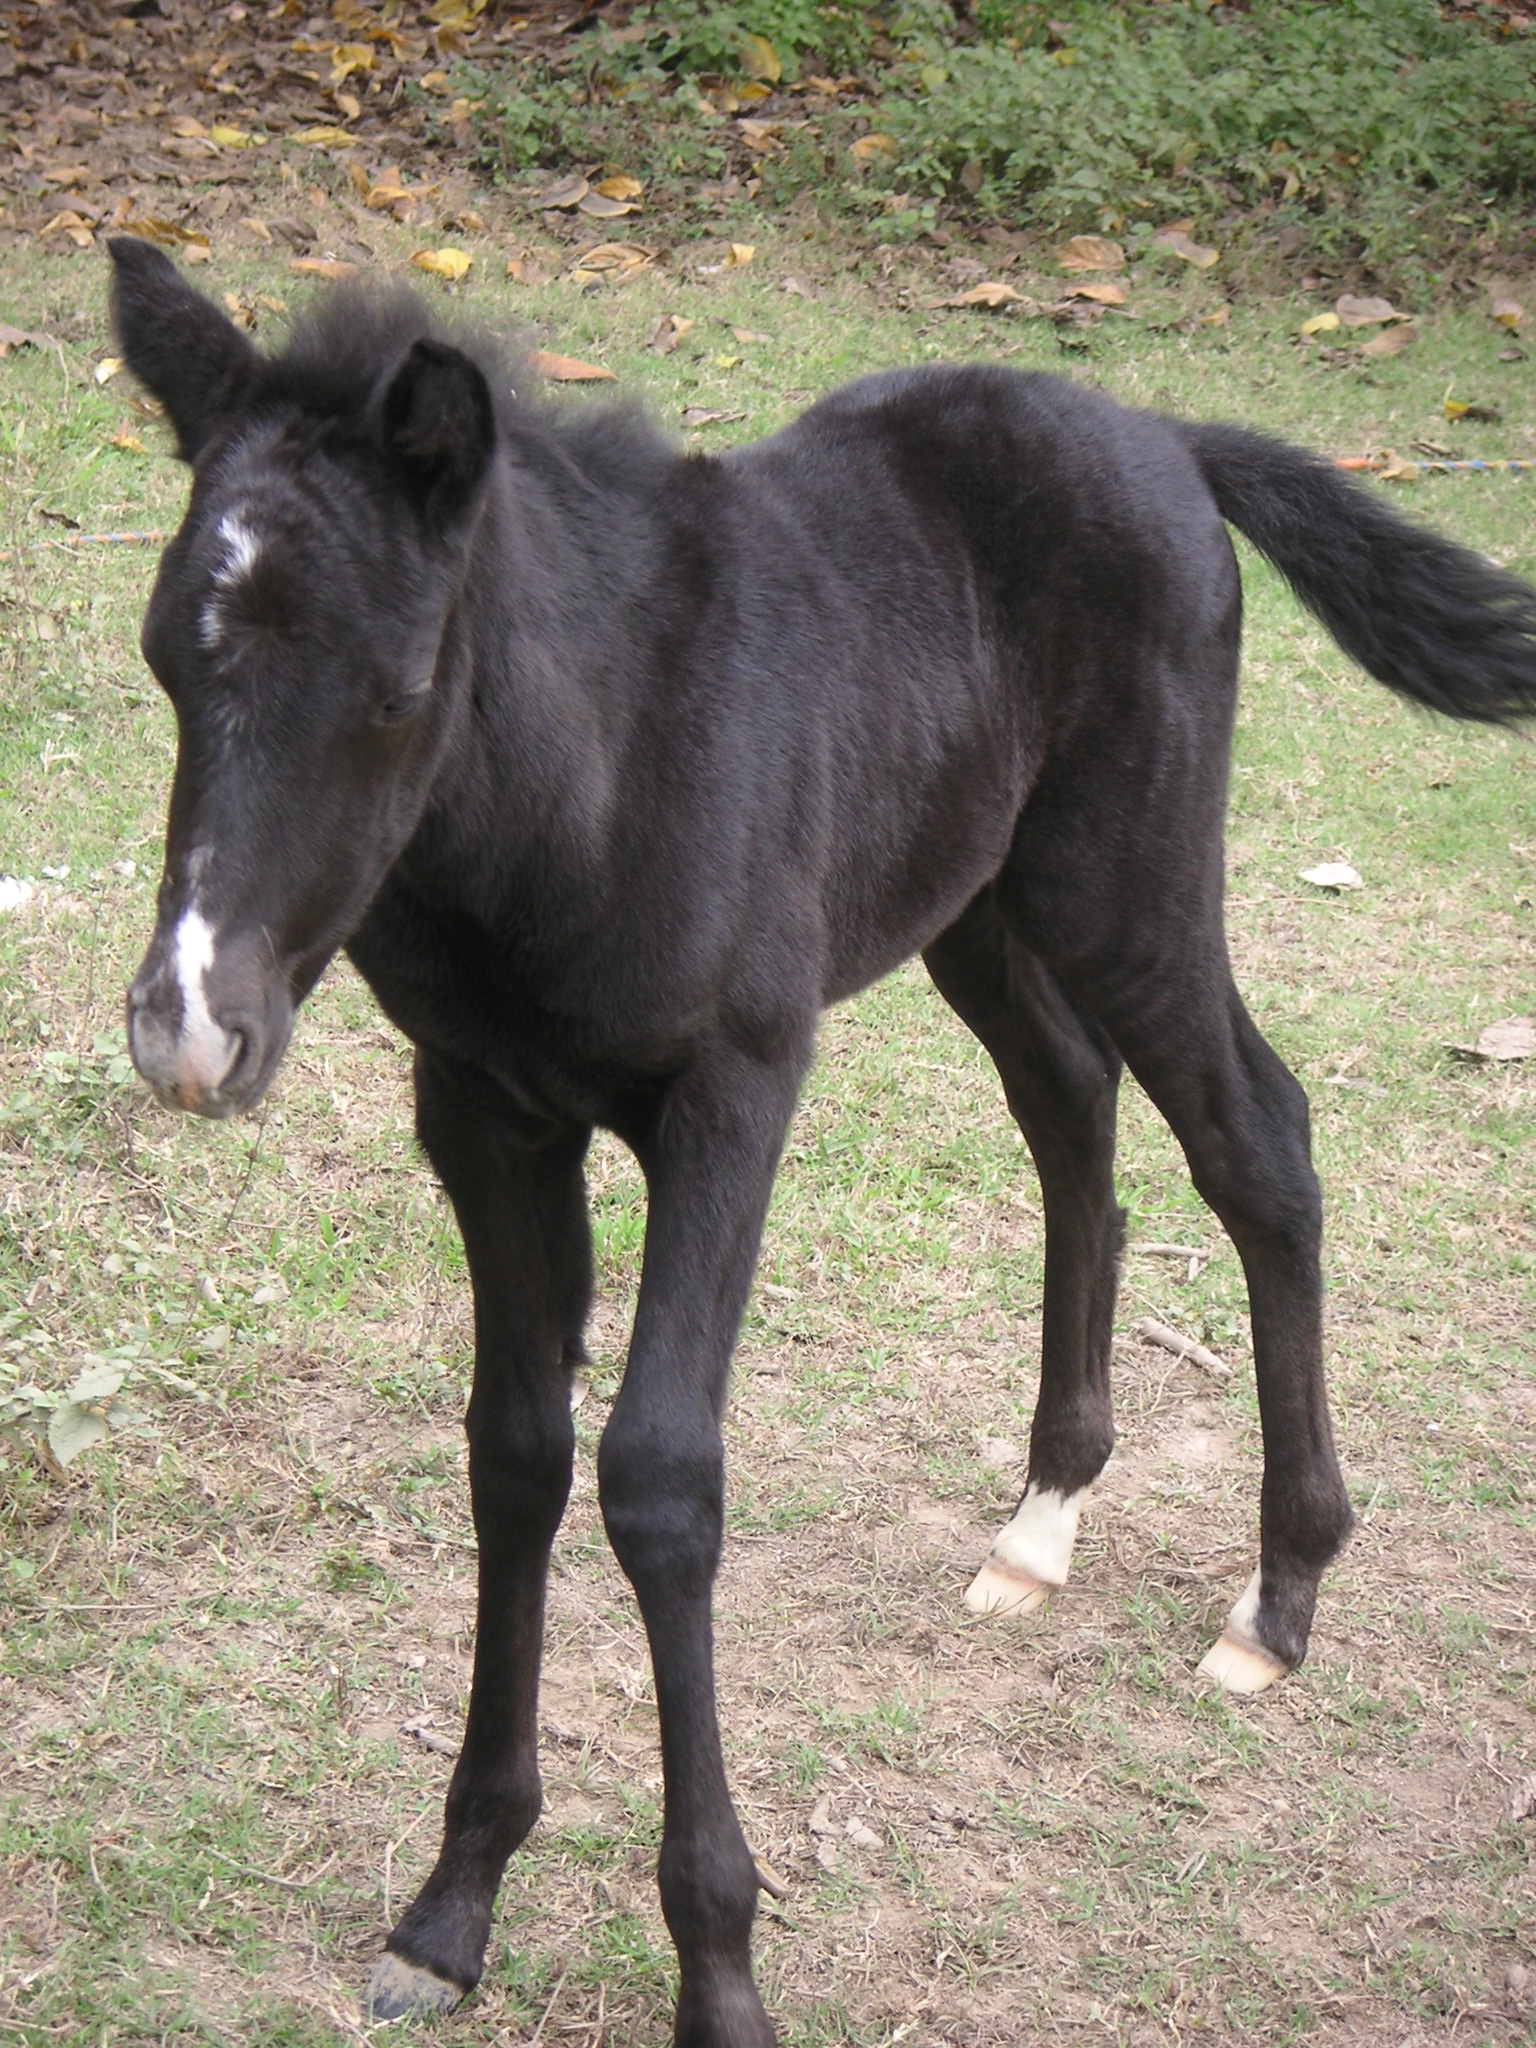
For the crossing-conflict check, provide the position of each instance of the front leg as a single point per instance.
(520, 1198)
(709, 1160)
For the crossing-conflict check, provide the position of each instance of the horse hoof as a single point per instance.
(400, 1989)
(1238, 1666)
(998, 1589)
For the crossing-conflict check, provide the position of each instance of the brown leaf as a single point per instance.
(1513, 1039)
(704, 416)
(128, 441)
(322, 266)
(566, 369)
(187, 128)
(667, 333)
(1391, 341)
(70, 223)
(1091, 252)
(619, 187)
(749, 334)
(69, 175)
(565, 192)
(617, 262)
(597, 207)
(1101, 294)
(991, 293)
(258, 228)
(1366, 312)
(19, 337)
(870, 146)
(1187, 250)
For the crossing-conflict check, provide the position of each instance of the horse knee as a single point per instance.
(520, 1464)
(663, 1500)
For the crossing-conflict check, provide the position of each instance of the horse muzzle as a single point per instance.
(208, 1017)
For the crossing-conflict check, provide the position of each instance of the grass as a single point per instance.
(229, 1627)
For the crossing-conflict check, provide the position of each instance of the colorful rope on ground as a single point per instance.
(1394, 465)
(81, 540)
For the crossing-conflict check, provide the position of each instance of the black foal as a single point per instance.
(610, 767)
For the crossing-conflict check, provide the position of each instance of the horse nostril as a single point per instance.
(240, 1045)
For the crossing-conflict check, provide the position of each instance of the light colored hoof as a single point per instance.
(998, 1589)
(401, 1989)
(1238, 1666)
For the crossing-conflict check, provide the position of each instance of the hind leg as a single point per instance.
(1061, 1075)
(1163, 989)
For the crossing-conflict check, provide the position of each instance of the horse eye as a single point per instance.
(403, 706)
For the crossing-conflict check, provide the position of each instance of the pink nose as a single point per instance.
(185, 1065)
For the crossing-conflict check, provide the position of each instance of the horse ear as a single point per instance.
(439, 428)
(177, 343)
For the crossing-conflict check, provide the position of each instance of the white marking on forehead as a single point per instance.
(204, 1045)
(242, 546)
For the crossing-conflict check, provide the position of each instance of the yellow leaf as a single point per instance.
(739, 255)
(870, 146)
(616, 260)
(434, 81)
(127, 440)
(759, 59)
(349, 103)
(1091, 252)
(322, 266)
(188, 129)
(196, 251)
(667, 333)
(566, 369)
(619, 187)
(347, 58)
(107, 369)
(727, 362)
(325, 138)
(232, 138)
(1320, 323)
(1507, 313)
(449, 263)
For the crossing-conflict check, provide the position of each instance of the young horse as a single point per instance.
(610, 767)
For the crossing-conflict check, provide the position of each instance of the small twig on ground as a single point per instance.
(538, 2033)
(1153, 1332)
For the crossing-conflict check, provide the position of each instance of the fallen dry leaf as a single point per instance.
(524, 270)
(1507, 313)
(187, 128)
(704, 416)
(80, 232)
(566, 369)
(596, 207)
(1220, 318)
(1320, 323)
(1366, 312)
(1391, 341)
(1091, 252)
(619, 187)
(565, 192)
(1467, 409)
(991, 293)
(323, 266)
(667, 333)
(726, 362)
(69, 176)
(759, 59)
(128, 441)
(613, 262)
(749, 334)
(347, 58)
(1522, 1799)
(20, 337)
(1102, 294)
(451, 264)
(1186, 249)
(106, 369)
(870, 146)
(1397, 469)
(738, 255)
(325, 138)
(232, 138)
(1513, 1039)
(1333, 874)
(258, 228)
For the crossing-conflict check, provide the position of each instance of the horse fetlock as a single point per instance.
(721, 2012)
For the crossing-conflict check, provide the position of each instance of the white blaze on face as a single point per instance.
(241, 548)
(205, 1051)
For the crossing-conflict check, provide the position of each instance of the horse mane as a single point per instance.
(346, 339)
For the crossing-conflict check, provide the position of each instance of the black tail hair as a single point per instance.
(1430, 619)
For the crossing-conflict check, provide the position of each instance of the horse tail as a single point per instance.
(1431, 620)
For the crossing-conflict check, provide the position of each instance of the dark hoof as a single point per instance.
(400, 1989)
